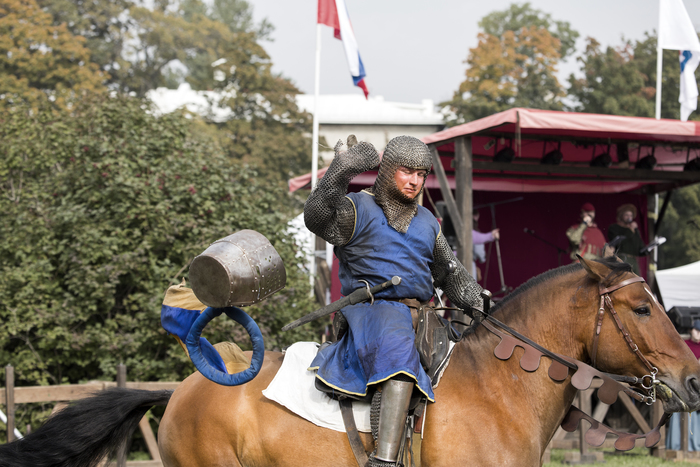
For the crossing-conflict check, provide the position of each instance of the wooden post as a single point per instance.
(450, 202)
(10, 401)
(463, 192)
(121, 383)
(150, 438)
(651, 223)
(585, 406)
(657, 411)
(684, 432)
(463, 199)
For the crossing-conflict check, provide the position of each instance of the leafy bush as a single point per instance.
(102, 209)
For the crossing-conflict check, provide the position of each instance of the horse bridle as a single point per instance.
(647, 382)
(604, 299)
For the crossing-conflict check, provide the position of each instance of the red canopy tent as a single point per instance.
(603, 159)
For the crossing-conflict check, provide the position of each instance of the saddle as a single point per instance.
(432, 344)
(432, 341)
(432, 338)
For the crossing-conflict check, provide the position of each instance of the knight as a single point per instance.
(379, 233)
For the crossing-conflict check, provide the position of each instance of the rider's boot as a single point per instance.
(395, 400)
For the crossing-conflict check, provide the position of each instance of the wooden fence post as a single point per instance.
(684, 432)
(657, 411)
(121, 383)
(10, 401)
(584, 398)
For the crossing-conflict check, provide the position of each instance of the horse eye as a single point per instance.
(643, 311)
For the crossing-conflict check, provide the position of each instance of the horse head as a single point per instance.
(635, 337)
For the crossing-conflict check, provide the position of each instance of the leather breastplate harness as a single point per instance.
(584, 374)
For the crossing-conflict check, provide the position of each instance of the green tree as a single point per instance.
(144, 48)
(622, 80)
(39, 60)
(238, 16)
(681, 227)
(513, 65)
(612, 82)
(104, 25)
(103, 209)
(176, 41)
(521, 16)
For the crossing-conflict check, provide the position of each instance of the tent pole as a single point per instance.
(660, 217)
(659, 67)
(463, 192)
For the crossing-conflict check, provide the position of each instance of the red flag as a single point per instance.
(334, 13)
(328, 15)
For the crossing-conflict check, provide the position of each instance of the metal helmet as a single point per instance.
(241, 269)
(401, 151)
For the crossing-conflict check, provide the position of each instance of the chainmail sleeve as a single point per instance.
(327, 212)
(459, 286)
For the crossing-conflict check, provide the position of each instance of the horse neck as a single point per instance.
(557, 314)
(553, 320)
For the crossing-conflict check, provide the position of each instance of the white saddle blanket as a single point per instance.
(293, 387)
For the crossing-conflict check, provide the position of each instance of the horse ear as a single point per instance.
(595, 270)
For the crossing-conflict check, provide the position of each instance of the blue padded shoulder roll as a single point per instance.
(201, 363)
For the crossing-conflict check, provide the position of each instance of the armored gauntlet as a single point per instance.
(327, 212)
(459, 286)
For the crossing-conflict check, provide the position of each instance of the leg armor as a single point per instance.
(396, 398)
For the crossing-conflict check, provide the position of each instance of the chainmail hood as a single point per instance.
(405, 151)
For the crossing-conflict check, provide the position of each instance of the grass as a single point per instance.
(637, 457)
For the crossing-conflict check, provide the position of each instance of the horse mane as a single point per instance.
(617, 268)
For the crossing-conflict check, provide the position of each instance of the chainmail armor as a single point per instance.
(327, 212)
(374, 414)
(374, 425)
(459, 286)
(405, 151)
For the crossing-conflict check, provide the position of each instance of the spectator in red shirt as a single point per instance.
(673, 428)
(585, 238)
(694, 341)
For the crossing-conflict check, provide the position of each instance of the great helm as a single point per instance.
(241, 269)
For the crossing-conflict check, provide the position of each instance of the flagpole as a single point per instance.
(659, 67)
(317, 86)
(314, 143)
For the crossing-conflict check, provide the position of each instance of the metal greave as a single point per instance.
(396, 398)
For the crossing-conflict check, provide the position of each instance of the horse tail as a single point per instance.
(83, 433)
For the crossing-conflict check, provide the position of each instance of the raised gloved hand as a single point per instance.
(327, 212)
(358, 158)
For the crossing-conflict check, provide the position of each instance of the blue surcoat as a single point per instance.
(380, 342)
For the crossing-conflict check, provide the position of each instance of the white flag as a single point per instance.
(676, 32)
(689, 86)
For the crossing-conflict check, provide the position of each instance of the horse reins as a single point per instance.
(604, 299)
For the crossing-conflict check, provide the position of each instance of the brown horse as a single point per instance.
(507, 415)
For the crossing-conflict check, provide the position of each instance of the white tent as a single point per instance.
(680, 286)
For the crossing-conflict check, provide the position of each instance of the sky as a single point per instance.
(414, 50)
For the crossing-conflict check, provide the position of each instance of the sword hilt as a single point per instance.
(359, 295)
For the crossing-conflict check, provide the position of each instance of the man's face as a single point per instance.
(627, 217)
(695, 335)
(590, 214)
(409, 181)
